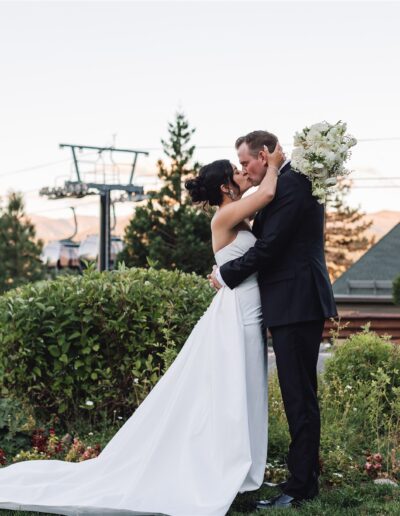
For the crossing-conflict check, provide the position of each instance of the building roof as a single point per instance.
(374, 272)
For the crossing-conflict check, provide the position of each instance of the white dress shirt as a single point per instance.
(217, 272)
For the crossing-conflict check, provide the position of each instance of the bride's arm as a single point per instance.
(232, 214)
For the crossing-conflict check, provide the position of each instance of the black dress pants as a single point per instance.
(296, 348)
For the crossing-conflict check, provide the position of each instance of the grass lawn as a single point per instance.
(366, 499)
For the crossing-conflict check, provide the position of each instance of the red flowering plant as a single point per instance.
(55, 446)
(373, 465)
(90, 452)
(3, 458)
(78, 452)
(39, 439)
(46, 444)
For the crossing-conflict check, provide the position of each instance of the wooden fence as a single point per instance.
(381, 323)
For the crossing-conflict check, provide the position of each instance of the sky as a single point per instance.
(102, 73)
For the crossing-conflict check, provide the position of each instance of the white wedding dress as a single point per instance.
(198, 439)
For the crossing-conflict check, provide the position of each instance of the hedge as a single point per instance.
(97, 342)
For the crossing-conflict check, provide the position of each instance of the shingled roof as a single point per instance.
(374, 272)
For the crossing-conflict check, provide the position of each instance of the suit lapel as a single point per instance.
(256, 225)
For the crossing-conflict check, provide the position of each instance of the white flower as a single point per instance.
(136, 380)
(331, 181)
(297, 154)
(318, 191)
(313, 136)
(321, 126)
(348, 387)
(331, 157)
(319, 153)
(89, 403)
(298, 138)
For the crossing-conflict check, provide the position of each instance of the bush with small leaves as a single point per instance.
(16, 424)
(79, 346)
(360, 356)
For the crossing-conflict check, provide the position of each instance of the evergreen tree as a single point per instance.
(19, 251)
(168, 232)
(345, 232)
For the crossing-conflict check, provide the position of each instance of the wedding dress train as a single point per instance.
(198, 439)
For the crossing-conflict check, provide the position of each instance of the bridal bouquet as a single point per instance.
(320, 152)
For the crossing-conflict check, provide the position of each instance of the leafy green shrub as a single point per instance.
(360, 401)
(16, 424)
(396, 291)
(339, 467)
(360, 356)
(79, 346)
(342, 446)
(359, 395)
(364, 375)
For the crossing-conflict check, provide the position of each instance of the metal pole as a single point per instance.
(133, 168)
(76, 164)
(91, 147)
(105, 233)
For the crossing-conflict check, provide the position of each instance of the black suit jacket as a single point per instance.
(288, 256)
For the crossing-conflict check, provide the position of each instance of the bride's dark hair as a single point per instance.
(206, 187)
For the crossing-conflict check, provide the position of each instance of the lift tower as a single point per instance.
(80, 188)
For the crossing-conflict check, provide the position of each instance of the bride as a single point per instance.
(200, 436)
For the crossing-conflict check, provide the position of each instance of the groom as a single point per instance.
(296, 298)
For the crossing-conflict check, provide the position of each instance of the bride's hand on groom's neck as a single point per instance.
(276, 158)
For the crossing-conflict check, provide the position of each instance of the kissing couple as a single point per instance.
(200, 436)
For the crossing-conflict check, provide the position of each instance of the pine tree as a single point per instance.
(168, 232)
(19, 251)
(345, 232)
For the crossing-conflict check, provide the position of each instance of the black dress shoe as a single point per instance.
(312, 492)
(282, 501)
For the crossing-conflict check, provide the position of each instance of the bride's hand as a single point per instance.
(212, 279)
(275, 158)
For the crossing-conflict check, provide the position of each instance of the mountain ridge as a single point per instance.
(48, 229)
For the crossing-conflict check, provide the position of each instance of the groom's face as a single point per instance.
(252, 166)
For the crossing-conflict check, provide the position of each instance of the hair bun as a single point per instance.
(206, 186)
(197, 189)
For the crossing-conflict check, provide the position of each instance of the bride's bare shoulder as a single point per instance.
(215, 220)
(218, 222)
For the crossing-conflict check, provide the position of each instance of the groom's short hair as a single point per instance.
(256, 141)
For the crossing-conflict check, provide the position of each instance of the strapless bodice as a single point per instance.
(242, 243)
(247, 293)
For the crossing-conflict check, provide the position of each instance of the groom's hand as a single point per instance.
(212, 279)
